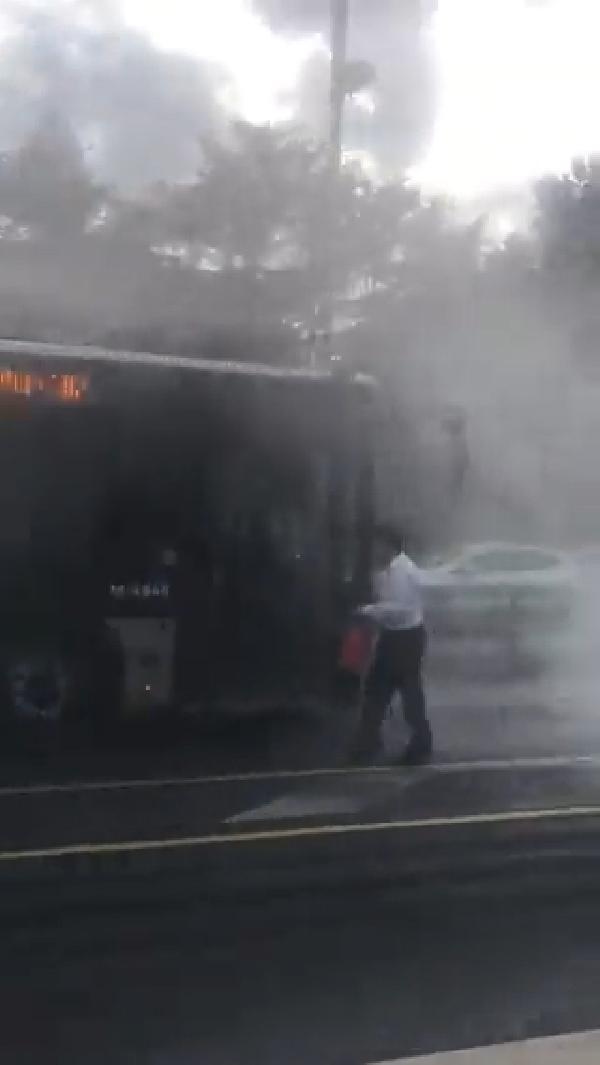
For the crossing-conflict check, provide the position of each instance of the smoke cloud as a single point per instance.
(392, 35)
(139, 112)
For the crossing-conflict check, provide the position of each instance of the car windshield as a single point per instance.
(299, 529)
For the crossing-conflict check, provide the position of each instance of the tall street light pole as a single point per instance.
(345, 79)
(322, 336)
(337, 462)
(339, 45)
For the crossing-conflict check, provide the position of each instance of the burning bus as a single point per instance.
(176, 532)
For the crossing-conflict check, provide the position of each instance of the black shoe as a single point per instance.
(416, 754)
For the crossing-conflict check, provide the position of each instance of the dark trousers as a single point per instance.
(396, 667)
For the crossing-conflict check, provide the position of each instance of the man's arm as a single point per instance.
(373, 610)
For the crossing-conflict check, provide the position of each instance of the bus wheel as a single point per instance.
(36, 686)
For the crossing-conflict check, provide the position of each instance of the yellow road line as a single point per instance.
(582, 1047)
(305, 832)
(477, 765)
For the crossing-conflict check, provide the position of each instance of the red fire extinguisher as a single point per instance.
(357, 648)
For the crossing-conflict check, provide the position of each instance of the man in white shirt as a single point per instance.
(396, 666)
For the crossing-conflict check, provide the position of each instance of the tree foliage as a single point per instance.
(246, 249)
(240, 256)
(235, 263)
(45, 188)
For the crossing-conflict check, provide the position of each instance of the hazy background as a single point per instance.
(163, 186)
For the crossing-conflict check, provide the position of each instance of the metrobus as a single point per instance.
(176, 532)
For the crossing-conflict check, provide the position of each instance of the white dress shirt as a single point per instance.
(399, 603)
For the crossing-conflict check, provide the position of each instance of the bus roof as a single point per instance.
(32, 350)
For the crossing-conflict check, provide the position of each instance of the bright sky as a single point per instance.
(518, 80)
(518, 91)
(263, 65)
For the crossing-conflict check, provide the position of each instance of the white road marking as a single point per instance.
(187, 782)
(558, 761)
(332, 800)
(550, 762)
(581, 1049)
(288, 807)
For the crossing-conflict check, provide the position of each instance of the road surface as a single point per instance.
(320, 976)
(471, 721)
(287, 911)
(320, 916)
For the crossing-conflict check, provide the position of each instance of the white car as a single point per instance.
(517, 598)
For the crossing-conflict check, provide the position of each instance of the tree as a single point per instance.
(568, 216)
(242, 204)
(238, 259)
(45, 188)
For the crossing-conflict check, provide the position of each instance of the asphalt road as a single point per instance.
(330, 978)
(208, 813)
(471, 720)
(313, 916)
(525, 750)
(154, 910)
